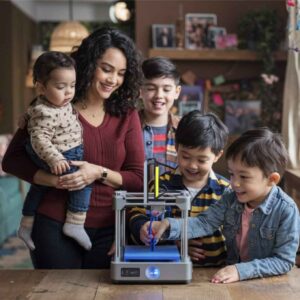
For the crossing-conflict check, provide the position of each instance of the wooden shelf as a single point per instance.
(213, 54)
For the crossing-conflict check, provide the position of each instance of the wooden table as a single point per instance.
(95, 284)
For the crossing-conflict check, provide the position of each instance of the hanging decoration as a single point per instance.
(293, 8)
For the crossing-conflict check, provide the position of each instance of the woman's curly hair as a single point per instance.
(91, 49)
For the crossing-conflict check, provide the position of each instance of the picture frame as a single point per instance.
(185, 108)
(231, 41)
(241, 116)
(163, 36)
(214, 35)
(196, 27)
(190, 98)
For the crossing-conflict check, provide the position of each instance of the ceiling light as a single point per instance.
(68, 34)
(119, 12)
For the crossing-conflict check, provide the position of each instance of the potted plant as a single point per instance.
(260, 31)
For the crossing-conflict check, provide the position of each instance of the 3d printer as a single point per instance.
(157, 263)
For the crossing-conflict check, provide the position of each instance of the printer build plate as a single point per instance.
(144, 253)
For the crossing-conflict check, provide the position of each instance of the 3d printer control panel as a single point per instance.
(130, 272)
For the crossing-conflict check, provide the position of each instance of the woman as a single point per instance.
(108, 81)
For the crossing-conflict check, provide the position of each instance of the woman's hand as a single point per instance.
(85, 175)
(44, 178)
(226, 275)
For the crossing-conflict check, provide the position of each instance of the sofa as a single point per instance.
(12, 192)
(11, 202)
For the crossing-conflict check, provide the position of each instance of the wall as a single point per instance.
(58, 10)
(229, 13)
(17, 34)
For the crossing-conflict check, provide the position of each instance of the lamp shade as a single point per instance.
(67, 35)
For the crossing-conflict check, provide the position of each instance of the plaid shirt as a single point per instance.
(171, 154)
(214, 245)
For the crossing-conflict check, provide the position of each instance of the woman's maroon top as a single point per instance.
(116, 144)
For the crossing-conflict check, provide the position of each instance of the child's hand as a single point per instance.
(112, 249)
(144, 235)
(195, 250)
(226, 275)
(22, 121)
(158, 229)
(60, 167)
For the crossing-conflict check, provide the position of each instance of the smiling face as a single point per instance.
(195, 164)
(109, 74)
(249, 183)
(60, 88)
(158, 96)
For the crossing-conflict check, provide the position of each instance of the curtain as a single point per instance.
(291, 98)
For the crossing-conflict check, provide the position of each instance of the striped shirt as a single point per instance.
(170, 154)
(159, 144)
(214, 245)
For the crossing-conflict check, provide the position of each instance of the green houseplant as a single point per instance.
(260, 31)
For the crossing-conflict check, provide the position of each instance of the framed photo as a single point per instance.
(190, 98)
(196, 27)
(185, 108)
(231, 41)
(242, 115)
(214, 34)
(163, 35)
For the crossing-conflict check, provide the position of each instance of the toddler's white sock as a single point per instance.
(74, 228)
(24, 231)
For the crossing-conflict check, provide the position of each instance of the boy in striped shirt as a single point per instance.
(200, 140)
(159, 91)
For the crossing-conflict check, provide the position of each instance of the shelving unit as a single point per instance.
(213, 54)
(233, 64)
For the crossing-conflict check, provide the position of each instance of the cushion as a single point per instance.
(4, 142)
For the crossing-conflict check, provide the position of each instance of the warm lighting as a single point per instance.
(119, 12)
(36, 51)
(29, 79)
(67, 35)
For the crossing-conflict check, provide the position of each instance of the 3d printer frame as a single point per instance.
(150, 271)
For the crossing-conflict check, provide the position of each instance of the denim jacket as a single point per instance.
(273, 236)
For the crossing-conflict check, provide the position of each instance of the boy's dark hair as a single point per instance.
(156, 67)
(49, 61)
(202, 130)
(260, 148)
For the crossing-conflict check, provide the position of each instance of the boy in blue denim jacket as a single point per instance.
(261, 222)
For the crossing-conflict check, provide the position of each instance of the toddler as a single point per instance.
(55, 139)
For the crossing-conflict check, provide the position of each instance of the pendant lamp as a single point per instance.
(67, 34)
